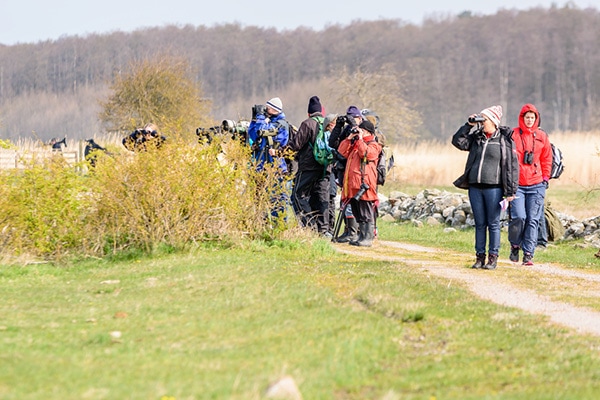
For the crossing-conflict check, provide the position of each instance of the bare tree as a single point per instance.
(380, 91)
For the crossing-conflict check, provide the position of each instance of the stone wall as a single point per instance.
(437, 207)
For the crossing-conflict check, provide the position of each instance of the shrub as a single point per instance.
(174, 196)
(42, 209)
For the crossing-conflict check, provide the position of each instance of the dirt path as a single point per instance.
(505, 284)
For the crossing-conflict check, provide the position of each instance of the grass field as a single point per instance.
(223, 324)
(219, 323)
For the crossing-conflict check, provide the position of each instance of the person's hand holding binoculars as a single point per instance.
(356, 133)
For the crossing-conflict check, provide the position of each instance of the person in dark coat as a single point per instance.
(491, 177)
(310, 195)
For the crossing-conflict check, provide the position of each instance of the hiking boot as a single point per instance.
(365, 237)
(351, 233)
(527, 259)
(514, 254)
(479, 261)
(492, 262)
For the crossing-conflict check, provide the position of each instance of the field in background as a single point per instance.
(434, 164)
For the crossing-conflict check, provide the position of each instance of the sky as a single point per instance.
(31, 21)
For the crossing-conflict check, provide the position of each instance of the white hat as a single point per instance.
(494, 113)
(276, 104)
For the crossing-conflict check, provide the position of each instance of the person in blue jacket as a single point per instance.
(268, 135)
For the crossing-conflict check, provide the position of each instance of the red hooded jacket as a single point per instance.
(532, 140)
(357, 170)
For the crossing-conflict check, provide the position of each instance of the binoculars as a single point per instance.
(258, 109)
(476, 118)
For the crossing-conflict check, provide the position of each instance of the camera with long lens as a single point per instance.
(258, 109)
(528, 157)
(363, 188)
(476, 118)
(229, 126)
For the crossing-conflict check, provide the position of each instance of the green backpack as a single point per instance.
(322, 152)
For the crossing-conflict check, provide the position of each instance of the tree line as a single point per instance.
(448, 68)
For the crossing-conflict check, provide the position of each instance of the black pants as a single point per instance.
(363, 210)
(310, 199)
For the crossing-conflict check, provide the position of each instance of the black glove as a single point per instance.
(546, 183)
(340, 121)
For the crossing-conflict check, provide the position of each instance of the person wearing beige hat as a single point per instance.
(491, 176)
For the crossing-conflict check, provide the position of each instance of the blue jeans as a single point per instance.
(485, 204)
(525, 212)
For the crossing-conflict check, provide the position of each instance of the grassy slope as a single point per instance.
(224, 323)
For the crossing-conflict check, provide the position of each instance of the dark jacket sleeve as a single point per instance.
(462, 139)
(510, 167)
(302, 144)
(304, 136)
(338, 134)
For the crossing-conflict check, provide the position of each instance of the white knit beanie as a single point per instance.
(276, 104)
(494, 113)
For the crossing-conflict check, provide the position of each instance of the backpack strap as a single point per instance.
(320, 121)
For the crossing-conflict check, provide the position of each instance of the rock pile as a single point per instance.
(437, 207)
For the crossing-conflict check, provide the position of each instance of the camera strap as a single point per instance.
(523, 142)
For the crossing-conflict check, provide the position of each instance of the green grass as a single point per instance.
(224, 323)
(569, 253)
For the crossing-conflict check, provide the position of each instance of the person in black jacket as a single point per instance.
(491, 176)
(310, 195)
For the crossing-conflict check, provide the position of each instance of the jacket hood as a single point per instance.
(529, 108)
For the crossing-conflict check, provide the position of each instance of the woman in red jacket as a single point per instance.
(361, 151)
(535, 163)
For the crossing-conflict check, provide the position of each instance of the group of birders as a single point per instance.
(353, 145)
(507, 169)
(303, 183)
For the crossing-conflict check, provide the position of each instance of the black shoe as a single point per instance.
(514, 254)
(492, 262)
(479, 262)
(527, 259)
